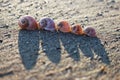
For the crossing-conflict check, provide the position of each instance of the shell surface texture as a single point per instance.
(90, 31)
(27, 22)
(47, 24)
(64, 26)
(77, 29)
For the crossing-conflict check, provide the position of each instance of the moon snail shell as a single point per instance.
(64, 26)
(90, 31)
(77, 29)
(47, 24)
(28, 23)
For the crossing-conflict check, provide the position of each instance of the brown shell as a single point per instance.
(77, 29)
(64, 26)
(28, 23)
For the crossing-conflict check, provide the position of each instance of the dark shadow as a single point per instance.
(84, 46)
(91, 47)
(99, 50)
(70, 44)
(50, 42)
(50, 45)
(28, 44)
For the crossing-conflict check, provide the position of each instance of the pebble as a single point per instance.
(116, 8)
(1, 41)
(7, 35)
(4, 26)
(117, 39)
(113, 1)
(105, 43)
(86, 17)
(117, 30)
(99, 14)
(9, 11)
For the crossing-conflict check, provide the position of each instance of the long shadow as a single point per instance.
(84, 46)
(28, 44)
(93, 46)
(99, 50)
(70, 44)
(50, 45)
(88, 45)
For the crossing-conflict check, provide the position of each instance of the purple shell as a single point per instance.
(90, 31)
(47, 24)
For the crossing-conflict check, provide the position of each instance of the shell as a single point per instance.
(27, 22)
(47, 24)
(64, 26)
(77, 29)
(90, 31)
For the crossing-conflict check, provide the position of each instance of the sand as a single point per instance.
(44, 55)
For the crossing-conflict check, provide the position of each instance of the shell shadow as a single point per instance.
(50, 45)
(92, 46)
(71, 45)
(28, 44)
(85, 48)
(99, 50)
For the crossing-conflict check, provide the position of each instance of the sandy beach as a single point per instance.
(45, 55)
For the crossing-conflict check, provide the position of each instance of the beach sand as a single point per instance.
(44, 55)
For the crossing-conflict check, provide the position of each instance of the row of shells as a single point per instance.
(29, 23)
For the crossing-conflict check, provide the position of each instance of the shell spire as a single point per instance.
(47, 24)
(27, 22)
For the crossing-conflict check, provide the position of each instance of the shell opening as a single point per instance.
(60, 25)
(43, 23)
(24, 22)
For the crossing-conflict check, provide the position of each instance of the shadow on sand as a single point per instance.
(29, 42)
(50, 45)
(91, 47)
(70, 45)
